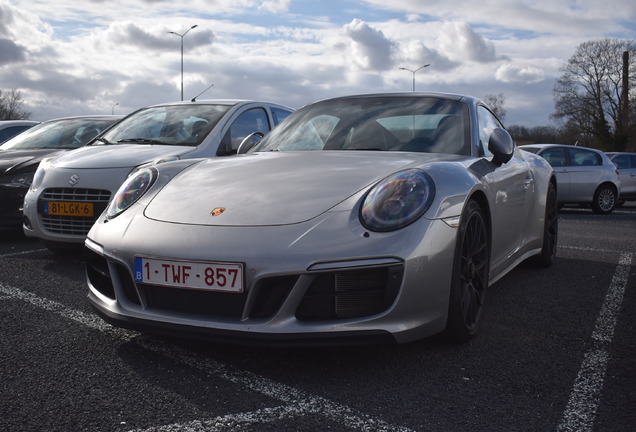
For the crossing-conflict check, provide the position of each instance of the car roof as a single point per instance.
(452, 96)
(8, 123)
(229, 102)
(542, 146)
(95, 117)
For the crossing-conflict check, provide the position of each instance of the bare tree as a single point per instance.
(496, 104)
(538, 134)
(587, 97)
(12, 106)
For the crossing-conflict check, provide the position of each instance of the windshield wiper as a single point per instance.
(143, 141)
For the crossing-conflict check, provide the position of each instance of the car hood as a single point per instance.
(11, 160)
(276, 188)
(117, 156)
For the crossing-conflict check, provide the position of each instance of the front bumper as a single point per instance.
(363, 288)
(95, 187)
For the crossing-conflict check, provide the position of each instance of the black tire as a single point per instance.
(550, 231)
(471, 270)
(605, 199)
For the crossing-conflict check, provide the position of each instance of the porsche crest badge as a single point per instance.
(217, 211)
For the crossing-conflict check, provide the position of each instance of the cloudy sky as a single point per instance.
(73, 57)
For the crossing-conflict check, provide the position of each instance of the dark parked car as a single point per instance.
(21, 155)
(585, 176)
(10, 128)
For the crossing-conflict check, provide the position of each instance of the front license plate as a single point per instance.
(61, 208)
(214, 276)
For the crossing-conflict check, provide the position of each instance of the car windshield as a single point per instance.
(185, 125)
(382, 123)
(59, 134)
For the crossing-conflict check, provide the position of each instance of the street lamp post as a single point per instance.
(413, 72)
(182, 36)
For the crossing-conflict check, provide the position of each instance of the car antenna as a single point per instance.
(194, 99)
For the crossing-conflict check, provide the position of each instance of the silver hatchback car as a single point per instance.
(584, 175)
(626, 164)
(70, 191)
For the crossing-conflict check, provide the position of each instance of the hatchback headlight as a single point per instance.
(153, 162)
(397, 201)
(131, 190)
(40, 173)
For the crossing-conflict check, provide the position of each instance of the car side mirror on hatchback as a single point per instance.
(501, 146)
(249, 141)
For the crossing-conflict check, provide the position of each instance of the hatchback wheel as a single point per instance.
(604, 200)
(470, 276)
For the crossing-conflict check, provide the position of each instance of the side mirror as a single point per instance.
(249, 141)
(501, 146)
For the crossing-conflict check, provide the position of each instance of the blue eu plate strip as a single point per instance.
(138, 270)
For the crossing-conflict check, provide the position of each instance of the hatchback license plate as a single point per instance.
(213, 276)
(61, 208)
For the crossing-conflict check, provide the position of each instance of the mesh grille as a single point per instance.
(76, 194)
(350, 294)
(73, 225)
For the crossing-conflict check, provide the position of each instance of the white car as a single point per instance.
(585, 176)
(626, 164)
(69, 192)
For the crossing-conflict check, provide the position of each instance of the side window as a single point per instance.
(622, 161)
(581, 157)
(279, 115)
(487, 123)
(9, 132)
(555, 156)
(253, 120)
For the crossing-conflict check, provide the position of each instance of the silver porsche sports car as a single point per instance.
(358, 219)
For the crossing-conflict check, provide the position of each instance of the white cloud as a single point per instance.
(370, 48)
(69, 57)
(565, 17)
(275, 6)
(459, 42)
(509, 73)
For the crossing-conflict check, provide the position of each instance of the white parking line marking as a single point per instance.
(297, 402)
(589, 249)
(586, 394)
(87, 320)
(579, 414)
(21, 253)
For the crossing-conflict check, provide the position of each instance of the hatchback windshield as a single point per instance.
(59, 134)
(185, 125)
(417, 124)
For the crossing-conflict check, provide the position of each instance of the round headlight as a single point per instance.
(397, 201)
(131, 190)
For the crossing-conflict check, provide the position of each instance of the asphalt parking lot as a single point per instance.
(557, 352)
